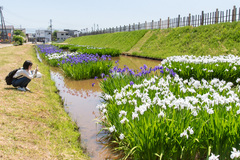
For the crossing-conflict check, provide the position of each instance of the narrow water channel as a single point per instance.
(80, 101)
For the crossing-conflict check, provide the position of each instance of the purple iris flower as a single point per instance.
(105, 79)
(162, 71)
(115, 68)
(131, 72)
(95, 77)
(172, 72)
(131, 83)
(93, 84)
(145, 66)
(102, 75)
(119, 70)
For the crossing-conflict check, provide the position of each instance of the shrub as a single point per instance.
(18, 39)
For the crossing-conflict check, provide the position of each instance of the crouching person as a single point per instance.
(23, 76)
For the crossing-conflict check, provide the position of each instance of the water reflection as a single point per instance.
(81, 99)
(134, 62)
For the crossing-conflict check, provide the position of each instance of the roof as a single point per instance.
(62, 32)
(8, 27)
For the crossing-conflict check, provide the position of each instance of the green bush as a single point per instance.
(19, 33)
(18, 39)
(89, 49)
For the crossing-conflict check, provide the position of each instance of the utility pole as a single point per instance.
(51, 28)
(3, 33)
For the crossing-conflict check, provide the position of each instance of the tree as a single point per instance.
(54, 35)
(19, 33)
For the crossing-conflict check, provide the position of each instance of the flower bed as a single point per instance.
(225, 68)
(85, 66)
(172, 118)
(120, 77)
(75, 65)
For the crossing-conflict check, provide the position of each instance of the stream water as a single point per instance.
(80, 101)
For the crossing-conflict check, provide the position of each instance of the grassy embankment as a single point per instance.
(123, 41)
(34, 125)
(217, 39)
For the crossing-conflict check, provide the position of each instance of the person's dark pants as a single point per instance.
(22, 82)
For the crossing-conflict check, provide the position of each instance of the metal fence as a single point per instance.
(230, 15)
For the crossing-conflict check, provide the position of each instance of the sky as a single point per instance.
(79, 14)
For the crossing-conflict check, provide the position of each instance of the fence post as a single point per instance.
(216, 16)
(239, 14)
(229, 15)
(202, 20)
(193, 21)
(198, 20)
(134, 26)
(152, 24)
(210, 17)
(234, 14)
(145, 24)
(189, 19)
(138, 25)
(129, 28)
(178, 23)
(168, 22)
(160, 23)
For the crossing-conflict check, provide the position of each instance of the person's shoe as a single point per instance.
(27, 89)
(21, 89)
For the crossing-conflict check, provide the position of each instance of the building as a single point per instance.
(44, 36)
(62, 35)
(10, 30)
(72, 33)
(31, 37)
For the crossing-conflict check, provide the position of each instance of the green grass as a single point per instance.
(34, 125)
(215, 39)
(123, 41)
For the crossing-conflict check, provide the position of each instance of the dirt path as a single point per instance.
(5, 45)
(137, 47)
(34, 125)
